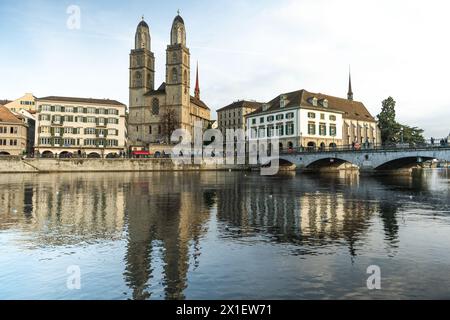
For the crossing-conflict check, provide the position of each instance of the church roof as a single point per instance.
(143, 24)
(82, 100)
(199, 103)
(354, 110)
(161, 89)
(241, 104)
(7, 116)
(179, 19)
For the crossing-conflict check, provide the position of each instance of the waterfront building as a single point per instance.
(149, 107)
(233, 116)
(302, 119)
(27, 102)
(29, 117)
(13, 133)
(67, 127)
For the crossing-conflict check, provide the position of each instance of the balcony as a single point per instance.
(57, 134)
(57, 122)
(101, 136)
(101, 124)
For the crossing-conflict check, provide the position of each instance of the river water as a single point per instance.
(217, 235)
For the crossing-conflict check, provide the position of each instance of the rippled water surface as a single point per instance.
(224, 236)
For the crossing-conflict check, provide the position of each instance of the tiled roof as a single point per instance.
(199, 103)
(81, 100)
(354, 110)
(242, 104)
(7, 116)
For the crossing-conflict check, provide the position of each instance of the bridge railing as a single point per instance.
(365, 147)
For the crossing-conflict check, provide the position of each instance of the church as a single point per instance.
(149, 107)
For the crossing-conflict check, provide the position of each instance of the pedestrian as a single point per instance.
(432, 141)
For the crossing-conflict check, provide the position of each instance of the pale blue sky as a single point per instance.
(246, 49)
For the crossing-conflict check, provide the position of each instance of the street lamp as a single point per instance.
(401, 132)
(301, 141)
(366, 126)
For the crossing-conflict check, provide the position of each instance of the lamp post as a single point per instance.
(401, 135)
(301, 141)
(366, 126)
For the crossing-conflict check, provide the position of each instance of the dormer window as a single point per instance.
(324, 103)
(282, 101)
(265, 107)
(314, 101)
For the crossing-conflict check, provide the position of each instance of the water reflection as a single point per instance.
(165, 219)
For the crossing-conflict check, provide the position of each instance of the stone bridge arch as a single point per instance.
(366, 159)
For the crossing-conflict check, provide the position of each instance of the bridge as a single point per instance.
(374, 159)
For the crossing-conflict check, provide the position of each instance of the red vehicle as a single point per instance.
(141, 154)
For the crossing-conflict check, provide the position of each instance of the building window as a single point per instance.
(262, 132)
(333, 130)
(290, 129)
(311, 128)
(261, 120)
(322, 129)
(290, 115)
(270, 132)
(253, 121)
(149, 129)
(270, 118)
(280, 130)
(155, 107)
(280, 117)
(322, 116)
(311, 115)
(332, 118)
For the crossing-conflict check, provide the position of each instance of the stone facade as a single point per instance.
(149, 106)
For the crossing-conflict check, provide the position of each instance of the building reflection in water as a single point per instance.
(163, 217)
(170, 210)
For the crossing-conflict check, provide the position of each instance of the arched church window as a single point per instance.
(174, 75)
(138, 79)
(185, 81)
(155, 107)
(180, 33)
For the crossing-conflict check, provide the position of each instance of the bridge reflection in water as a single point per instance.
(164, 220)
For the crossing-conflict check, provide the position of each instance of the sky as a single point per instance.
(246, 49)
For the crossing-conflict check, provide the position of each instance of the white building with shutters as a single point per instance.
(78, 127)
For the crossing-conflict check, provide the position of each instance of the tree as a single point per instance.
(394, 132)
(412, 135)
(169, 123)
(387, 123)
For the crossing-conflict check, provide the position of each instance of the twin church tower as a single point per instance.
(149, 107)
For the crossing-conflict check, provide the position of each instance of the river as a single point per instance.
(221, 235)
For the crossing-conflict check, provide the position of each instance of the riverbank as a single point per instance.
(18, 165)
